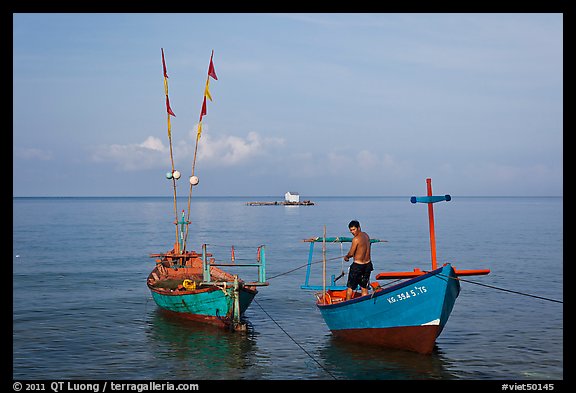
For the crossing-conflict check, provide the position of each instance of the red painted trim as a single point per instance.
(390, 275)
(472, 272)
(417, 272)
(212, 320)
(419, 339)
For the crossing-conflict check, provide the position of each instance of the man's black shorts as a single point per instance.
(359, 274)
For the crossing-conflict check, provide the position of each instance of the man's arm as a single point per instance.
(352, 249)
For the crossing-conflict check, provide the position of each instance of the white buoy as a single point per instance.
(176, 175)
(194, 180)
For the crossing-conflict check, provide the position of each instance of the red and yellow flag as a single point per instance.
(164, 64)
(203, 112)
(207, 90)
(211, 71)
(211, 74)
(168, 108)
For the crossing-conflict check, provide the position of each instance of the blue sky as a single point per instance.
(323, 104)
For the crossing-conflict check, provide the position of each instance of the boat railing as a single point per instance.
(332, 284)
(176, 260)
(260, 263)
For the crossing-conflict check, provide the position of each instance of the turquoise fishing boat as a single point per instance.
(408, 313)
(194, 285)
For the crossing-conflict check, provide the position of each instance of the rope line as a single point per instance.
(295, 342)
(300, 267)
(508, 290)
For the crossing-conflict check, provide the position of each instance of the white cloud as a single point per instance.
(149, 154)
(33, 154)
(153, 143)
(232, 150)
(213, 151)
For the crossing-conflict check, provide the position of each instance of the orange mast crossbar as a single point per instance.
(417, 272)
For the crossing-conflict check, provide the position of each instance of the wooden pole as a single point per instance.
(176, 244)
(324, 267)
(196, 151)
(431, 224)
(190, 191)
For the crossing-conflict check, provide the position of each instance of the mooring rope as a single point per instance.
(295, 342)
(506, 290)
(300, 267)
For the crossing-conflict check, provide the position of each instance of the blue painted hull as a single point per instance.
(409, 315)
(210, 305)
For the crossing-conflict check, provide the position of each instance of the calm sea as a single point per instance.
(81, 308)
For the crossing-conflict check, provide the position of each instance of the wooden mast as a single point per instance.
(171, 175)
(211, 73)
(431, 225)
(324, 266)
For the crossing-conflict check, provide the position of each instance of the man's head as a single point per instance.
(354, 227)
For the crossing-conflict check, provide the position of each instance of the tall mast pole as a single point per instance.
(430, 199)
(174, 175)
(324, 266)
(431, 224)
(193, 178)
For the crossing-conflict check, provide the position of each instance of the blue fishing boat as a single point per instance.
(409, 313)
(194, 285)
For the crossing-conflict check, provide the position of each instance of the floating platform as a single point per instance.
(281, 203)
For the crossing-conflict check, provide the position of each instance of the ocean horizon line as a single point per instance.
(307, 198)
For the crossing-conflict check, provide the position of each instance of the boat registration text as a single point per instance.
(416, 291)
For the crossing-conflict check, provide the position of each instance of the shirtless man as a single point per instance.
(359, 273)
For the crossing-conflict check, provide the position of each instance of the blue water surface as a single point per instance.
(81, 308)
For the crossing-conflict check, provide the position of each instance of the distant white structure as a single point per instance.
(292, 197)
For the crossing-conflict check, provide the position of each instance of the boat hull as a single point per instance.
(214, 305)
(409, 315)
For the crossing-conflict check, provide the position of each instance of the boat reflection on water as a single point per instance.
(186, 349)
(348, 360)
